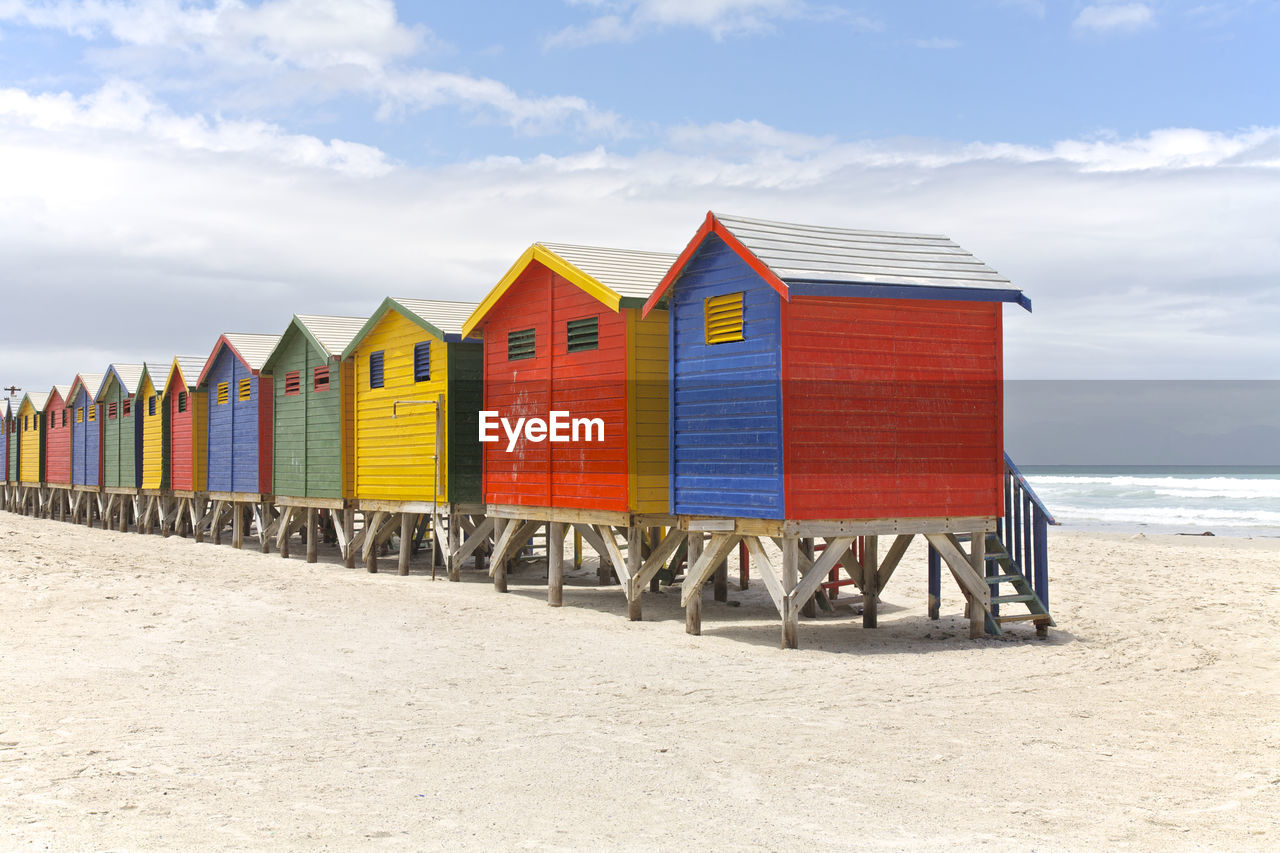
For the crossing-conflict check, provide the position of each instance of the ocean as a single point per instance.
(1227, 501)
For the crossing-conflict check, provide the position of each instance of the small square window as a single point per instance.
(583, 334)
(422, 361)
(182, 401)
(292, 383)
(320, 378)
(520, 344)
(224, 392)
(375, 369)
(244, 390)
(723, 318)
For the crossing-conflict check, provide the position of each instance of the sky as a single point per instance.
(173, 170)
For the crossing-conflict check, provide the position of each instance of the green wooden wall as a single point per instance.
(119, 438)
(466, 399)
(307, 442)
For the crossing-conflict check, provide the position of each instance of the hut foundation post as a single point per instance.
(455, 545)
(407, 520)
(978, 560)
(62, 507)
(655, 538)
(263, 513)
(721, 581)
(282, 538)
(237, 526)
(577, 549)
(215, 523)
(124, 515)
(808, 609)
(790, 579)
(635, 554)
(313, 534)
(348, 533)
(693, 610)
(88, 511)
(870, 581)
(555, 563)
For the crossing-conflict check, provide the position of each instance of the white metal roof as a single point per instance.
(130, 375)
(333, 333)
(39, 399)
(814, 253)
(158, 370)
(626, 272)
(254, 349)
(92, 383)
(448, 317)
(64, 390)
(190, 365)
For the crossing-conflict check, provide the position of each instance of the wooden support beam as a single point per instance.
(790, 579)
(808, 608)
(372, 526)
(632, 584)
(555, 563)
(978, 562)
(283, 529)
(407, 520)
(971, 583)
(700, 571)
(262, 514)
(693, 607)
(766, 571)
(659, 555)
(313, 534)
(215, 521)
(478, 536)
(870, 582)
(892, 558)
(237, 526)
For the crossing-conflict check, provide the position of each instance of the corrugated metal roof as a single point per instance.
(158, 370)
(254, 349)
(333, 333)
(190, 365)
(814, 253)
(626, 272)
(39, 399)
(130, 375)
(448, 317)
(64, 390)
(92, 383)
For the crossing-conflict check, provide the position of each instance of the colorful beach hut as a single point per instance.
(121, 458)
(828, 382)
(155, 506)
(57, 452)
(563, 333)
(238, 433)
(416, 392)
(311, 467)
(31, 452)
(186, 445)
(7, 444)
(86, 447)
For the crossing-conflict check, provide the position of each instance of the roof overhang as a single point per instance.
(710, 226)
(223, 341)
(390, 304)
(588, 284)
(856, 290)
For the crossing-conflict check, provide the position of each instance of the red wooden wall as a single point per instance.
(892, 408)
(181, 441)
(580, 475)
(57, 442)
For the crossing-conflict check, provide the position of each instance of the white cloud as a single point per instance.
(626, 20)
(1151, 257)
(1114, 18)
(313, 48)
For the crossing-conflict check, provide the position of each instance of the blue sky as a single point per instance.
(1120, 161)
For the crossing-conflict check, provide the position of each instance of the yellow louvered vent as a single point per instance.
(244, 389)
(724, 318)
(224, 393)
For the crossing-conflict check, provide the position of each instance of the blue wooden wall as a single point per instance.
(726, 411)
(85, 439)
(233, 428)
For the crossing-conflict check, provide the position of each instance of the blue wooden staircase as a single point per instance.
(1017, 559)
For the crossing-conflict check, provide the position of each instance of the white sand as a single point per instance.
(159, 694)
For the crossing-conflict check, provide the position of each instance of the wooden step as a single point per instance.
(1024, 617)
(1013, 599)
(995, 579)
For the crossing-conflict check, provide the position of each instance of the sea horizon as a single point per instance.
(1225, 500)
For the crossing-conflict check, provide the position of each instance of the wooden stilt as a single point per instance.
(555, 563)
(349, 531)
(313, 534)
(790, 579)
(721, 581)
(693, 608)
(215, 525)
(978, 561)
(635, 587)
(870, 581)
(237, 526)
(407, 520)
(808, 609)
(282, 533)
(452, 558)
(264, 527)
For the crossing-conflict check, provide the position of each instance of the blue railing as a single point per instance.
(1024, 529)
(1024, 532)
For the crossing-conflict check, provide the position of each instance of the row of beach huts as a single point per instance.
(812, 398)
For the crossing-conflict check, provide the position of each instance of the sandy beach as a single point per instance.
(160, 694)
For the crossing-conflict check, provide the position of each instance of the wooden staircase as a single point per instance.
(1001, 569)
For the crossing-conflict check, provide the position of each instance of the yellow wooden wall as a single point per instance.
(394, 457)
(347, 387)
(647, 380)
(29, 446)
(199, 402)
(152, 434)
